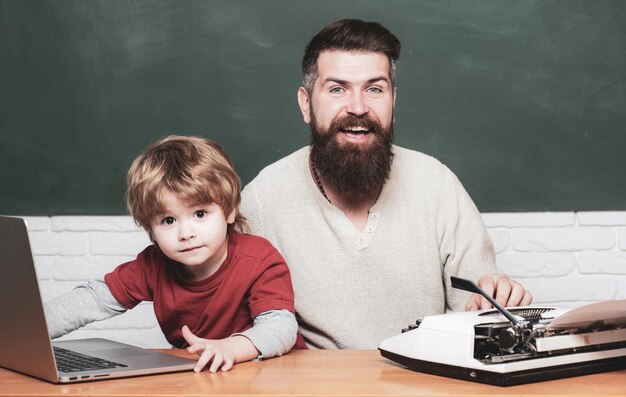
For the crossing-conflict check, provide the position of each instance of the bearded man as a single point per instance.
(371, 231)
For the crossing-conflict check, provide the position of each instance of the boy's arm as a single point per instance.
(220, 353)
(274, 333)
(82, 305)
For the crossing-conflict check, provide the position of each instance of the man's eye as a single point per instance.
(168, 220)
(200, 213)
(336, 90)
(375, 90)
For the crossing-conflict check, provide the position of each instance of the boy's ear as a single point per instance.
(231, 218)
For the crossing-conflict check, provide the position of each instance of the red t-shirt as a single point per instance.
(253, 279)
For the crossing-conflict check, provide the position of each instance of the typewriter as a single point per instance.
(515, 346)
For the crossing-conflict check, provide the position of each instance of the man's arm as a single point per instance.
(250, 209)
(468, 253)
(79, 307)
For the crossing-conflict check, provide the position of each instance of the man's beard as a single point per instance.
(352, 169)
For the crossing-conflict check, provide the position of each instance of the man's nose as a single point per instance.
(357, 104)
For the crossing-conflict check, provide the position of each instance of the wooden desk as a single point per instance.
(312, 373)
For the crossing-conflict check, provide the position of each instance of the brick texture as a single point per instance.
(565, 259)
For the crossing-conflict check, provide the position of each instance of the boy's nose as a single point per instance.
(186, 233)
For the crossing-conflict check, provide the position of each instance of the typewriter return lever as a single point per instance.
(467, 285)
(510, 338)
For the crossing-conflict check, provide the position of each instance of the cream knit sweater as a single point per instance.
(353, 288)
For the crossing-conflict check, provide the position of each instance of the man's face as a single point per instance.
(350, 85)
(351, 117)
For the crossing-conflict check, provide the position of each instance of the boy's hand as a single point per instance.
(222, 353)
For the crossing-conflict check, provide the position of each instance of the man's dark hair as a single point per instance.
(349, 35)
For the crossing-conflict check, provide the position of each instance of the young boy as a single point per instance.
(222, 294)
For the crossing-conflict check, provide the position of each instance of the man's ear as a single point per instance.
(394, 104)
(305, 104)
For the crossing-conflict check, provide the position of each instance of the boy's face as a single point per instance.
(193, 235)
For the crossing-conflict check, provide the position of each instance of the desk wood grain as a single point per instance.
(312, 373)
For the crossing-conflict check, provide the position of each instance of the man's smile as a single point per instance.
(355, 134)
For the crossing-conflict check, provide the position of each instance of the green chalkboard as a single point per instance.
(524, 100)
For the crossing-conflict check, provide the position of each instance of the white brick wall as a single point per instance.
(563, 258)
(70, 250)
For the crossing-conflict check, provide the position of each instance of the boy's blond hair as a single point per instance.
(195, 169)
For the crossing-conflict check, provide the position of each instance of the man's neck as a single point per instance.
(356, 207)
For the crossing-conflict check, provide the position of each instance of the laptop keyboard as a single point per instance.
(70, 361)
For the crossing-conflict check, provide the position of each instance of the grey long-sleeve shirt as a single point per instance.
(273, 332)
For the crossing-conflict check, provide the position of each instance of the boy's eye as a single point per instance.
(168, 220)
(200, 213)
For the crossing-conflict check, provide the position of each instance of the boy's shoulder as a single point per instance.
(253, 246)
(152, 254)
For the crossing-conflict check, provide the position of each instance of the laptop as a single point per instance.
(25, 344)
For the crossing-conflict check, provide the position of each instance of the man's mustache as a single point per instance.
(350, 121)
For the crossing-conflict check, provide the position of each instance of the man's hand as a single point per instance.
(222, 353)
(504, 290)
